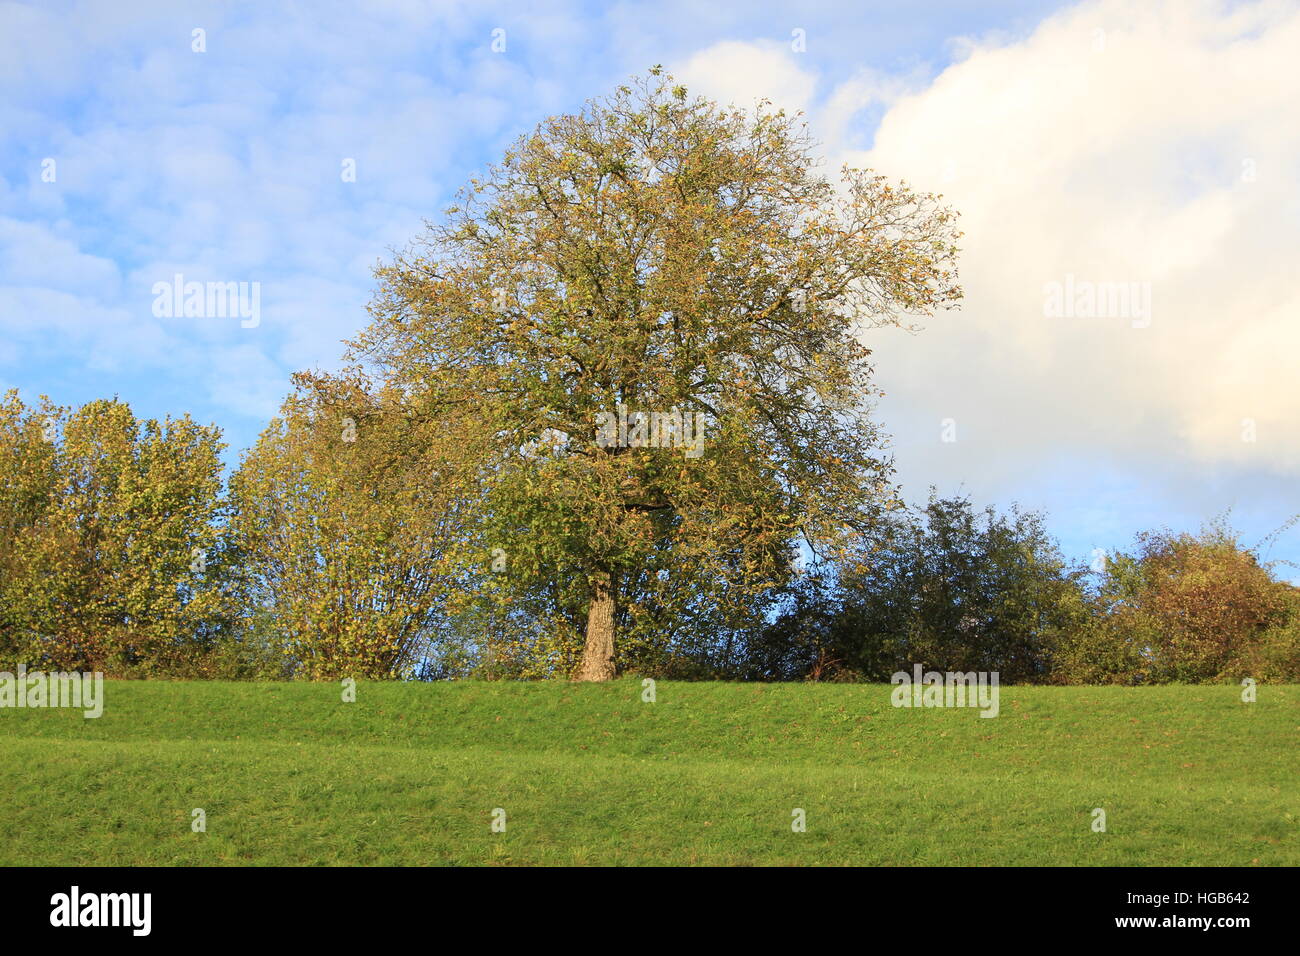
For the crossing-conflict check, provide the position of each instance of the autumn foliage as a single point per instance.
(455, 501)
(110, 539)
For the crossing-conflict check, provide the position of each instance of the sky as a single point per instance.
(1127, 354)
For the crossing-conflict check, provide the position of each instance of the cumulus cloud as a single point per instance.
(742, 73)
(1119, 144)
(1146, 147)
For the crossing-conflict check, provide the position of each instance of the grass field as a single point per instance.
(710, 773)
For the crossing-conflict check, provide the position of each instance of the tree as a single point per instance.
(946, 587)
(27, 482)
(112, 530)
(651, 314)
(672, 623)
(341, 523)
(975, 591)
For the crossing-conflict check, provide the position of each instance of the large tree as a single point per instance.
(659, 254)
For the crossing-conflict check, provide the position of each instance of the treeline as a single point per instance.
(960, 590)
(456, 502)
(340, 547)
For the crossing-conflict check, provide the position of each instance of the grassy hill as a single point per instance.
(708, 774)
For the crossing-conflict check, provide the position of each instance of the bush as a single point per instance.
(945, 587)
(1187, 608)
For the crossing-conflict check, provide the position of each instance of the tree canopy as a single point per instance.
(642, 335)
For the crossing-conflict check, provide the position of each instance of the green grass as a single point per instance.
(709, 774)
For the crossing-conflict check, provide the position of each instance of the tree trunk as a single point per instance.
(598, 654)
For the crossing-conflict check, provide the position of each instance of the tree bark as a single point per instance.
(598, 653)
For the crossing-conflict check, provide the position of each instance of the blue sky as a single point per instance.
(1108, 142)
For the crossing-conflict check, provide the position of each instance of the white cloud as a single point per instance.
(740, 73)
(1117, 156)
(1115, 143)
(31, 254)
(226, 166)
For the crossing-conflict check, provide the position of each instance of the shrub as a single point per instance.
(946, 587)
(1188, 608)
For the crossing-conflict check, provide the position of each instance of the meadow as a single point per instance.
(708, 773)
